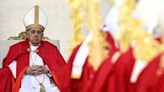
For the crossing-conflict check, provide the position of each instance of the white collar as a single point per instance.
(33, 48)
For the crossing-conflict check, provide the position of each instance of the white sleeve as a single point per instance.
(12, 67)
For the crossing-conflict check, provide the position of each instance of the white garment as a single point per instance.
(139, 66)
(81, 57)
(29, 83)
(111, 21)
(147, 11)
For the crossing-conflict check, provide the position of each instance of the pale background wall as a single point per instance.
(59, 24)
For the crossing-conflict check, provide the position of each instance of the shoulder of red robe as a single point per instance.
(48, 44)
(15, 50)
(51, 52)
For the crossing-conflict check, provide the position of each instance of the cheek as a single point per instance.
(27, 36)
(40, 37)
(30, 37)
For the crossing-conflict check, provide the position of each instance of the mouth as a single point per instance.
(36, 38)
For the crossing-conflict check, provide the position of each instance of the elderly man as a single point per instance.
(36, 65)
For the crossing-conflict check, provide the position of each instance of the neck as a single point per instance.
(33, 44)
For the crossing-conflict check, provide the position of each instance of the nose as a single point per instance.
(36, 33)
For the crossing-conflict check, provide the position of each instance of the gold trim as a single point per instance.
(75, 76)
(22, 36)
(36, 18)
(28, 49)
(34, 26)
(76, 72)
(116, 56)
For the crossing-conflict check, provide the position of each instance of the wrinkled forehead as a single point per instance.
(35, 29)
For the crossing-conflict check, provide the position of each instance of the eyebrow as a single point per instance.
(35, 30)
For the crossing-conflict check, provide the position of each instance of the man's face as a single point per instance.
(34, 35)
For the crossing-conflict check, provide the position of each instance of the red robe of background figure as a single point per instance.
(115, 79)
(88, 73)
(150, 79)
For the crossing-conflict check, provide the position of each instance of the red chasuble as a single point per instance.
(151, 79)
(5, 80)
(148, 80)
(49, 53)
(114, 77)
(88, 74)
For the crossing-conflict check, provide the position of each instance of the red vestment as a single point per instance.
(149, 80)
(88, 75)
(48, 52)
(114, 77)
(5, 80)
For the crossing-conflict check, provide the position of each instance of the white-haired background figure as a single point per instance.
(111, 22)
(147, 11)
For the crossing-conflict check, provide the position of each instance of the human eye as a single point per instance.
(32, 31)
(39, 32)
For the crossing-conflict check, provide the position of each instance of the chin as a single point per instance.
(35, 44)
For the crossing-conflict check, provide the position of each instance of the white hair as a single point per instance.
(148, 13)
(111, 21)
(161, 20)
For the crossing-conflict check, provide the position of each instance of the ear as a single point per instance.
(27, 34)
(43, 34)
